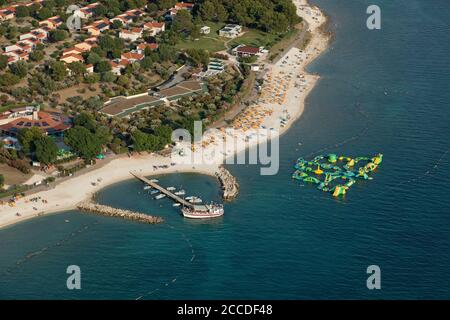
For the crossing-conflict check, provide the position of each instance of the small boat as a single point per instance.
(195, 200)
(160, 196)
(147, 187)
(171, 188)
(180, 193)
(190, 198)
(154, 192)
(176, 205)
(154, 180)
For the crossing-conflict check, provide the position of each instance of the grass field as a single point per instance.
(211, 42)
(255, 38)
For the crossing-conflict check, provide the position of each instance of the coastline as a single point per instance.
(69, 193)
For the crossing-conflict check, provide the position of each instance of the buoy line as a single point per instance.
(41, 251)
(177, 276)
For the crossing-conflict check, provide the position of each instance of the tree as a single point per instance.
(44, 13)
(85, 120)
(27, 137)
(103, 66)
(145, 142)
(8, 79)
(20, 68)
(46, 150)
(3, 62)
(77, 68)
(117, 24)
(2, 181)
(92, 78)
(165, 4)
(82, 141)
(93, 58)
(103, 135)
(58, 70)
(37, 55)
(22, 12)
(58, 35)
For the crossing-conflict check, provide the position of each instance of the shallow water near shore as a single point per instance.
(382, 91)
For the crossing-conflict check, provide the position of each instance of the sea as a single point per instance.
(381, 91)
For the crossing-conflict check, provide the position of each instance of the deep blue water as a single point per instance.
(381, 91)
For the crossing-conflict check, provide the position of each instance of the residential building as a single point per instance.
(205, 30)
(132, 57)
(141, 47)
(131, 35)
(98, 27)
(87, 12)
(230, 31)
(71, 57)
(246, 51)
(154, 28)
(52, 23)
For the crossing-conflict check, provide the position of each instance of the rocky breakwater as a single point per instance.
(92, 207)
(229, 184)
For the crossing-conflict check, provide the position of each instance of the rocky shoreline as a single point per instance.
(89, 206)
(229, 184)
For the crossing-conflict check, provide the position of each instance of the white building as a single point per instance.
(230, 31)
(205, 30)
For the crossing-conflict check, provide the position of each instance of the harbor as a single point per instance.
(189, 210)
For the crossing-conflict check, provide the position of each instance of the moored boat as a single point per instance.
(160, 196)
(203, 211)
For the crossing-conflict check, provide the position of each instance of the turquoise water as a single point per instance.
(381, 91)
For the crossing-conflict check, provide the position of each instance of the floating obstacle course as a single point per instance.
(336, 174)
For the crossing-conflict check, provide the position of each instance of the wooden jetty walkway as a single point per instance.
(163, 190)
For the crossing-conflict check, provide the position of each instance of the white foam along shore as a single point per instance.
(286, 88)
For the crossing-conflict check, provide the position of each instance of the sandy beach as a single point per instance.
(282, 101)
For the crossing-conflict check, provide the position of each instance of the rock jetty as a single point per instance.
(92, 207)
(229, 184)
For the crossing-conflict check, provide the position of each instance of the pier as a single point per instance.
(229, 184)
(163, 190)
(89, 206)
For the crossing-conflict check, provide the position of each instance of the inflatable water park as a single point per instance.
(336, 174)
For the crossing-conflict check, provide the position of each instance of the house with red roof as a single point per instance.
(141, 47)
(49, 122)
(246, 51)
(71, 58)
(87, 12)
(132, 56)
(154, 28)
(130, 35)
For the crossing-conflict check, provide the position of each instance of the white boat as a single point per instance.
(154, 192)
(203, 211)
(180, 193)
(176, 205)
(160, 196)
(171, 188)
(195, 200)
(154, 180)
(190, 198)
(147, 187)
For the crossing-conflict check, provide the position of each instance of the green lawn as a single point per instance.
(206, 43)
(256, 38)
(211, 42)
